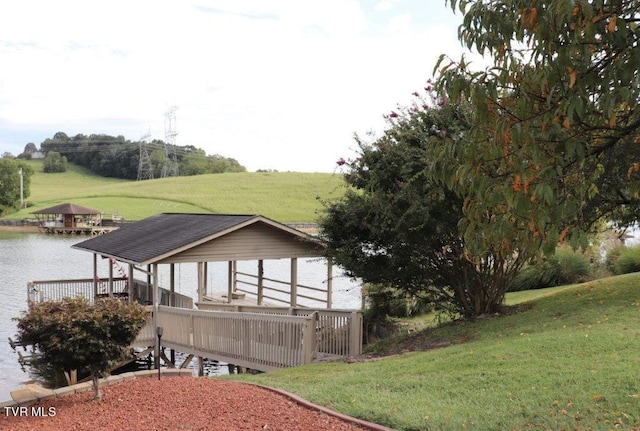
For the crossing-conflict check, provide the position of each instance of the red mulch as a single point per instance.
(178, 403)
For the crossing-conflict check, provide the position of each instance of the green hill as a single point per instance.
(283, 196)
(566, 361)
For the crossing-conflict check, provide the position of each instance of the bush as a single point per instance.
(612, 257)
(564, 267)
(628, 261)
(383, 302)
(73, 334)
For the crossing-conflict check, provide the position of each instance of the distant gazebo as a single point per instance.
(68, 218)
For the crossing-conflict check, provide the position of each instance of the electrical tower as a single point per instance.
(170, 164)
(145, 168)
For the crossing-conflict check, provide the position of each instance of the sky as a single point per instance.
(278, 84)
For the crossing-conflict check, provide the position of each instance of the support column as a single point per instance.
(172, 285)
(95, 276)
(111, 260)
(156, 305)
(329, 283)
(260, 281)
(230, 283)
(293, 302)
(131, 291)
(201, 281)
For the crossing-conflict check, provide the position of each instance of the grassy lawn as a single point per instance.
(569, 360)
(282, 196)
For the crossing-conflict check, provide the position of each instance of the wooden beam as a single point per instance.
(293, 301)
(260, 281)
(329, 282)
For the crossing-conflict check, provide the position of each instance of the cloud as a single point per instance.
(279, 84)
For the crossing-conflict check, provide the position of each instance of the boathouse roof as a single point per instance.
(67, 208)
(175, 238)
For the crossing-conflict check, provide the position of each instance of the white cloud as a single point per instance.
(279, 84)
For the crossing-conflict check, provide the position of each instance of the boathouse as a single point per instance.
(237, 326)
(72, 219)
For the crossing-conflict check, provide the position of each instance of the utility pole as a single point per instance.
(145, 167)
(170, 164)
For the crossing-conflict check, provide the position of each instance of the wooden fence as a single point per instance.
(253, 340)
(338, 332)
(55, 290)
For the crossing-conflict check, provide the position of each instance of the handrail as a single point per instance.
(265, 287)
(56, 290)
(339, 331)
(254, 340)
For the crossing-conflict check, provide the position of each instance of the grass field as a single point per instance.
(283, 196)
(569, 361)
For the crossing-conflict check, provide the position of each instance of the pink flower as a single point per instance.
(428, 88)
(415, 93)
(341, 161)
(393, 114)
(443, 101)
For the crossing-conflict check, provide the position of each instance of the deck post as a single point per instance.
(130, 285)
(329, 282)
(260, 281)
(172, 284)
(293, 301)
(355, 334)
(234, 275)
(230, 281)
(205, 271)
(156, 308)
(201, 285)
(111, 260)
(95, 276)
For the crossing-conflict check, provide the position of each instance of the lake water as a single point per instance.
(30, 257)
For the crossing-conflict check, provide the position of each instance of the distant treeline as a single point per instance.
(115, 156)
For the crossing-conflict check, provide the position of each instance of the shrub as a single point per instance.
(564, 267)
(73, 334)
(383, 302)
(628, 261)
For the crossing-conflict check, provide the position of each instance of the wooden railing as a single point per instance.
(248, 283)
(144, 295)
(55, 290)
(257, 341)
(338, 332)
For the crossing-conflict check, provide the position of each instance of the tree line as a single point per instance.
(117, 157)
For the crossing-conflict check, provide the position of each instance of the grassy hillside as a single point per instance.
(285, 196)
(566, 361)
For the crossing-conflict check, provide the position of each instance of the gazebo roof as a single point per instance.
(174, 238)
(67, 208)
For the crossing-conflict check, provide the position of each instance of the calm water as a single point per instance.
(27, 257)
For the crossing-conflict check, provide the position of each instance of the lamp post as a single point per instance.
(159, 331)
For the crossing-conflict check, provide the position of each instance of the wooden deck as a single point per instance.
(241, 333)
(93, 230)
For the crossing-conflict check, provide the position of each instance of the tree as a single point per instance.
(54, 162)
(10, 183)
(555, 120)
(397, 227)
(74, 335)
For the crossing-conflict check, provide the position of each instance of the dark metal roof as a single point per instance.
(151, 239)
(67, 208)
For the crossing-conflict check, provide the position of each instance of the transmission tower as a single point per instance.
(145, 168)
(170, 164)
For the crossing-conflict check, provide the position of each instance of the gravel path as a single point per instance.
(180, 403)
